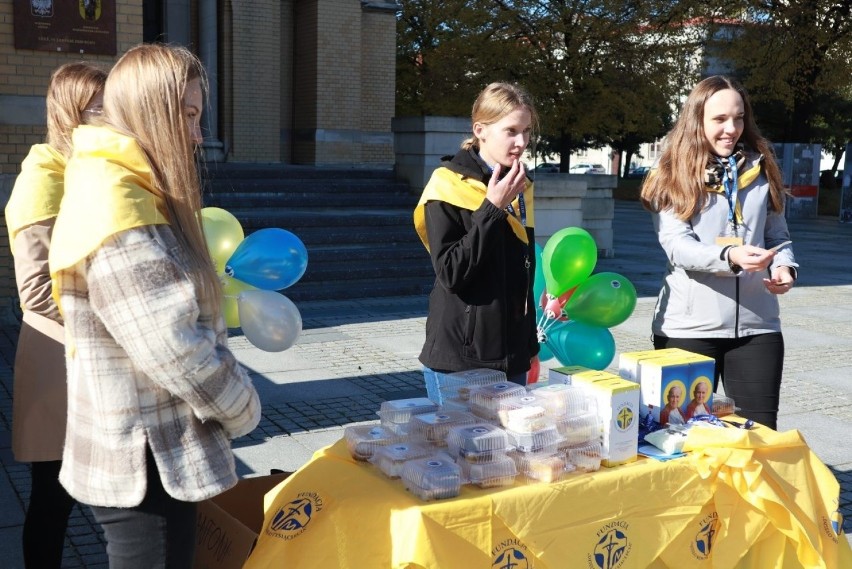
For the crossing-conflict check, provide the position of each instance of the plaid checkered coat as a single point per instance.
(147, 366)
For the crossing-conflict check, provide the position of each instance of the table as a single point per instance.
(738, 499)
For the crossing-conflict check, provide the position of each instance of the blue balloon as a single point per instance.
(581, 344)
(269, 259)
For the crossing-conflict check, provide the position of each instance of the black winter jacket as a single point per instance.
(481, 310)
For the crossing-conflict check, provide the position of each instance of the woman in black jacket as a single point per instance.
(476, 219)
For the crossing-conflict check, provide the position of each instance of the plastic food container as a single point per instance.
(363, 440)
(544, 440)
(723, 405)
(545, 468)
(585, 458)
(432, 478)
(560, 399)
(390, 459)
(500, 472)
(397, 413)
(524, 413)
(480, 442)
(579, 430)
(485, 400)
(462, 382)
(433, 427)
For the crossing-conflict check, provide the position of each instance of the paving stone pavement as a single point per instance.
(352, 355)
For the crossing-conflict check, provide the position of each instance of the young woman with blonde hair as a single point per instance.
(154, 393)
(476, 218)
(39, 399)
(718, 202)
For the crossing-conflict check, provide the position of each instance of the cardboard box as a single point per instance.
(629, 362)
(684, 371)
(618, 408)
(228, 524)
(563, 374)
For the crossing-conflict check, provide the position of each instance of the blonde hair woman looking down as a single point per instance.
(155, 395)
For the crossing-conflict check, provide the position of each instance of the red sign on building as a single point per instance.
(76, 26)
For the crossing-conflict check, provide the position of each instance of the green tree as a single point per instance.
(601, 71)
(793, 56)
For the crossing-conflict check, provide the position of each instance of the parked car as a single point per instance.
(547, 168)
(639, 172)
(586, 168)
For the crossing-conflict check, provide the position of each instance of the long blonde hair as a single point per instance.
(144, 100)
(72, 87)
(495, 102)
(678, 181)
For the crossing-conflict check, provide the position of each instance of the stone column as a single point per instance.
(208, 39)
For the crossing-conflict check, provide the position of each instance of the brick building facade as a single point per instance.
(292, 81)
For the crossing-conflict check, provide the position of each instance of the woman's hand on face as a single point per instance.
(781, 282)
(751, 258)
(503, 192)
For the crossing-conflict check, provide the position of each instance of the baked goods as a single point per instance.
(480, 442)
(499, 472)
(523, 414)
(432, 478)
(362, 440)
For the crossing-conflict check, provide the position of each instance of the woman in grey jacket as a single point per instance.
(718, 204)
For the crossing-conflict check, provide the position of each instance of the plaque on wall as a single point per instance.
(75, 26)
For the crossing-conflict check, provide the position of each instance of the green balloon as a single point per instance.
(604, 299)
(568, 258)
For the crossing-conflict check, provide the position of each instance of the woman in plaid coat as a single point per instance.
(154, 393)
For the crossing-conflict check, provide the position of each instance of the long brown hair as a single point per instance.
(495, 102)
(144, 100)
(72, 88)
(678, 181)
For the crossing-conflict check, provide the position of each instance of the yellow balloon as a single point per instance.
(231, 289)
(223, 234)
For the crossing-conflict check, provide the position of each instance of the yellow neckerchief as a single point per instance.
(466, 193)
(108, 189)
(749, 175)
(38, 190)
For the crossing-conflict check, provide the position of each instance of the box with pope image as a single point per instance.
(674, 384)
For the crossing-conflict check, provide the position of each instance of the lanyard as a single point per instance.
(729, 181)
(522, 207)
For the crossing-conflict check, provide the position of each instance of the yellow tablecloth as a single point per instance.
(740, 499)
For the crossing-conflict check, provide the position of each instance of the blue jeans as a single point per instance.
(159, 532)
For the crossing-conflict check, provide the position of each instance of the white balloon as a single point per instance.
(270, 320)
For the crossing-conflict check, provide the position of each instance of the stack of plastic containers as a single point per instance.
(487, 433)
(576, 421)
(481, 452)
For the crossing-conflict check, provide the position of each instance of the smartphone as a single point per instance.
(779, 246)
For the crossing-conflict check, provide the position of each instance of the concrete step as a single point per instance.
(356, 225)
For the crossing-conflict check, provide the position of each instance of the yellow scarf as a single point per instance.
(108, 189)
(743, 179)
(38, 189)
(466, 193)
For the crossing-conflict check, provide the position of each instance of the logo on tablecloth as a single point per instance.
(511, 554)
(292, 519)
(612, 547)
(703, 542)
